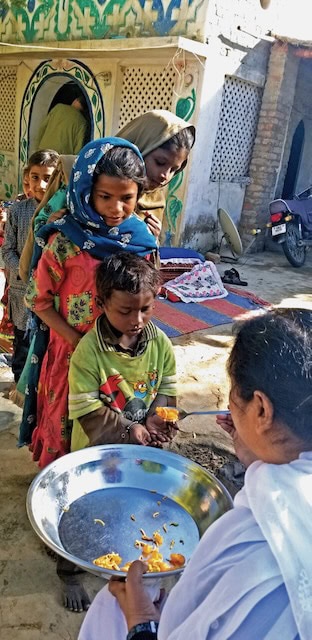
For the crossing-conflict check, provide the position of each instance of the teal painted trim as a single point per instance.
(185, 108)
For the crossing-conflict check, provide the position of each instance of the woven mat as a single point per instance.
(178, 318)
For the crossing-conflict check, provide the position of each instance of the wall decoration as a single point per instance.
(70, 69)
(8, 188)
(52, 20)
(185, 108)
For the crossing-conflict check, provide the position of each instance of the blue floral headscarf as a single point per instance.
(84, 226)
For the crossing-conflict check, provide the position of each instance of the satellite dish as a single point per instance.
(230, 232)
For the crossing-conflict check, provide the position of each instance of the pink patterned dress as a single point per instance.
(64, 279)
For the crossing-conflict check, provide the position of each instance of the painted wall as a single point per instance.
(106, 86)
(77, 20)
(191, 215)
(8, 129)
(204, 197)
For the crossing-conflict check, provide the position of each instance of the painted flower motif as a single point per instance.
(125, 239)
(89, 153)
(88, 244)
(77, 176)
(106, 147)
(91, 168)
(114, 231)
(40, 242)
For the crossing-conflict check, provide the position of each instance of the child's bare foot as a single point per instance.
(75, 597)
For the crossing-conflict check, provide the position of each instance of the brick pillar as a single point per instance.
(270, 140)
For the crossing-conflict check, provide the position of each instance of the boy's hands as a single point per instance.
(159, 430)
(139, 435)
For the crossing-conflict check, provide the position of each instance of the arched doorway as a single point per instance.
(46, 85)
(294, 162)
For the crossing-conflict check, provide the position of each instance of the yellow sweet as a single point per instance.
(170, 414)
(109, 561)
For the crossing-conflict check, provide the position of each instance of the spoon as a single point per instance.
(215, 412)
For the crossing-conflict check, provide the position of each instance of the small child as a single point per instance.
(119, 373)
(27, 193)
(125, 366)
(40, 166)
(105, 183)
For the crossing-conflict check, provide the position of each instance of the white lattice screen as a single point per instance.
(144, 89)
(241, 102)
(7, 107)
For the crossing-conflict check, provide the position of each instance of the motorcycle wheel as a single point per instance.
(295, 254)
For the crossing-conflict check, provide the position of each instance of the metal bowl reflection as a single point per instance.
(96, 500)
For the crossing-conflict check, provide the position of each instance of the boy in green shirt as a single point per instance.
(121, 370)
(125, 366)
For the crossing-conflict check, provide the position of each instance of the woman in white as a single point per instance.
(250, 577)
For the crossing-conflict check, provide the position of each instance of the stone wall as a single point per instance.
(270, 142)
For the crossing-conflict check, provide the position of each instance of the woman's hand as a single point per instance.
(135, 603)
(153, 224)
(226, 423)
(245, 455)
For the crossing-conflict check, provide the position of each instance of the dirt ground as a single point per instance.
(30, 607)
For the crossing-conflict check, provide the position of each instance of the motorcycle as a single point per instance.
(291, 225)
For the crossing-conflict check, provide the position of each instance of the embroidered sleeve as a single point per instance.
(47, 278)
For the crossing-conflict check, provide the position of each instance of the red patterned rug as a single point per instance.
(178, 318)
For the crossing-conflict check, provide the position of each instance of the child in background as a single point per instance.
(54, 200)
(105, 183)
(125, 366)
(119, 373)
(40, 166)
(6, 326)
(27, 192)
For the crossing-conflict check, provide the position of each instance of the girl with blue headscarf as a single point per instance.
(106, 181)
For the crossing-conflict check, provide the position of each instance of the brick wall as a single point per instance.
(270, 141)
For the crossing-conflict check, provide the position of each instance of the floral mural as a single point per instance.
(35, 21)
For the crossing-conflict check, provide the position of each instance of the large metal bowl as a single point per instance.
(96, 500)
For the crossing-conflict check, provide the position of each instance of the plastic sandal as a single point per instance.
(231, 276)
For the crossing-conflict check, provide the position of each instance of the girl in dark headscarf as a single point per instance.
(105, 183)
